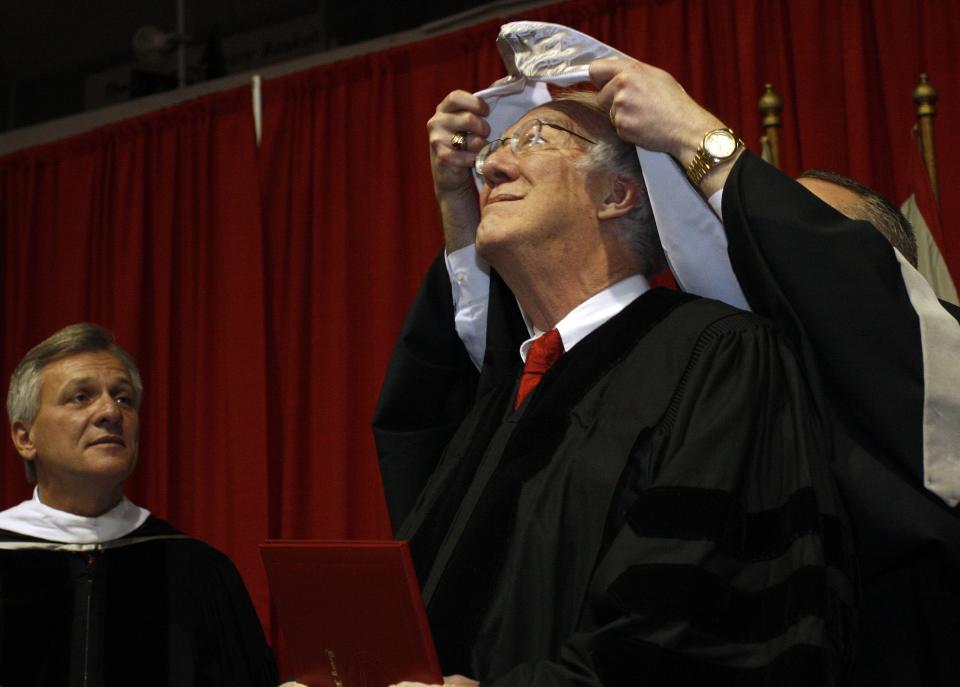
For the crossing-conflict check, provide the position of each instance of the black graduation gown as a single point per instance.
(833, 286)
(153, 608)
(659, 511)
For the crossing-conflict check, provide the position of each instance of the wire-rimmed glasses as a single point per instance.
(526, 139)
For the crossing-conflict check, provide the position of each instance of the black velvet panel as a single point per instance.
(799, 666)
(680, 592)
(706, 514)
(36, 618)
(136, 619)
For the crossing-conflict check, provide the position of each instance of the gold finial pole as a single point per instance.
(925, 96)
(770, 105)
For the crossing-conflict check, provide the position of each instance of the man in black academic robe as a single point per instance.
(94, 590)
(847, 304)
(659, 509)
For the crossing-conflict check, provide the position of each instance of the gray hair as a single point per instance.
(873, 208)
(23, 396)
(638, 227)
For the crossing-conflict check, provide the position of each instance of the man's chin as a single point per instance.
(111, 451)
(112, 459)
(491, 241)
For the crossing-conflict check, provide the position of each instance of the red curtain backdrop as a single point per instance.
(260, 288)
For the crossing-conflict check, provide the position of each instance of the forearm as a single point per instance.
(459, 217)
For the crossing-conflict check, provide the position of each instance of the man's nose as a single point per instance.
(108, 411)
(500, 166)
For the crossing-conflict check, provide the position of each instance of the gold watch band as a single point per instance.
(699, 167)
(703, 161)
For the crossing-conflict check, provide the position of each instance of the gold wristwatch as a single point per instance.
(717, 146)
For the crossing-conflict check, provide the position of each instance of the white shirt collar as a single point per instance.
(34, 519)
(592, 313)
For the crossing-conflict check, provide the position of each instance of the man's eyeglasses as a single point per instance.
(526, 139)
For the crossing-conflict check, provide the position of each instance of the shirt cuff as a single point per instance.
(470, 285)
(716, 203)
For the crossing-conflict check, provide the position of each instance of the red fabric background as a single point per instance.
(261, 289)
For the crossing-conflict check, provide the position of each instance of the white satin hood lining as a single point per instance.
(940, 341)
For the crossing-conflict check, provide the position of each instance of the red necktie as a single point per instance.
(543, 353)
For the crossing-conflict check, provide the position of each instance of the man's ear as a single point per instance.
(23, 440)
(622, 196)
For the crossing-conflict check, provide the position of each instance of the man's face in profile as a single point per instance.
(87, 424)
(535, 196)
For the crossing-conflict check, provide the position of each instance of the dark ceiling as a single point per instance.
(55, 53)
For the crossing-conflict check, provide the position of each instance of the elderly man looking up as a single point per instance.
(639, 492)
(95, 590)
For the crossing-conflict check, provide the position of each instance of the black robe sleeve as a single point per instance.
(835, 283)
(427, 391)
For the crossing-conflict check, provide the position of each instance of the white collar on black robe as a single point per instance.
(34, 519)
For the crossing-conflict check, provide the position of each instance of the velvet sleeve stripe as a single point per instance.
(667, 592)
(617, 667)
(749, 577)
(690, 513)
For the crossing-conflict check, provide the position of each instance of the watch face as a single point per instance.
(720, 144)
